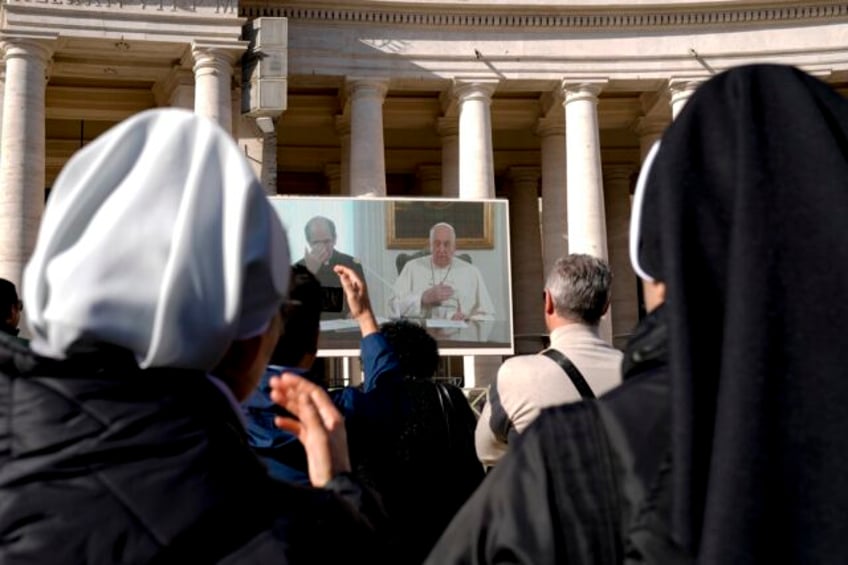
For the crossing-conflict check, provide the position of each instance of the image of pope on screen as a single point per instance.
(442, 284)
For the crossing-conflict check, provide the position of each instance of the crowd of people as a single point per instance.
(164, 408)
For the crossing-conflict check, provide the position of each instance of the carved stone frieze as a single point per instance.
(216, 6)
(635, 18)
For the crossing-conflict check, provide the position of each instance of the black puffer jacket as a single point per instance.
(101, 462)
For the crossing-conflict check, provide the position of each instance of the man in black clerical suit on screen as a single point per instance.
(321, 256)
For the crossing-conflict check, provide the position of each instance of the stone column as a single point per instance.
(213, 76)
(526, 257)
(681, 90)
(624, 307)
(343, 129)
(235, 115)
(268, 174)
(649, 132)
(587, 231)
(476, 180)
(259, 147)
(430, 180)
(22, 148)
(554, 205)
(2, 89)
(333, 174)
(353, 368)
(476, 160)
(448, 129)
(586, 223)
(367, 154)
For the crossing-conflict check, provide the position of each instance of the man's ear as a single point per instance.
(550, 309)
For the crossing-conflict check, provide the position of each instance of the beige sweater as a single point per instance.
(527, 383)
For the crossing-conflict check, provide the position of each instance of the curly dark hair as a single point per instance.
(416, 350)
(8, 299)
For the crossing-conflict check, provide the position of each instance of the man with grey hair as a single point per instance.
(440, 285)
(577, 294)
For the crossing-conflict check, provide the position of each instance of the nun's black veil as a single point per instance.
(745, 218)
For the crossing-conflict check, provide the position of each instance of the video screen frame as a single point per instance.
(376, 231)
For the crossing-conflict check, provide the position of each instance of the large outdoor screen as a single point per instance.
(457, 285)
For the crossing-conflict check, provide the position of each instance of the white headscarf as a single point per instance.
(158, 238)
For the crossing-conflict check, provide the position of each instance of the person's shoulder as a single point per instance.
(605, 348)
(516, 369)
(466, 267)
(417, 264)
(609, 352)
(423, 260)
(460, 263)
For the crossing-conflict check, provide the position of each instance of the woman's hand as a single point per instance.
(319, 425)
(356, 294)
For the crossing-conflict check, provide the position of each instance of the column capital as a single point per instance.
(447, 126)
(359, 87)
(681, 88)
(574, 90)
(524, 175)
(652, 127)
(551, 103)
(464, 90)
(614, 172)
(26, 47)
(215, 58)
(176, 77)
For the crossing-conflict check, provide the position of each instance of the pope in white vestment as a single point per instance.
(440, 285)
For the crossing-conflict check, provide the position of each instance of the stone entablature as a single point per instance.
(180, 6)
(555, 15)
(171, 21)
(421, 43)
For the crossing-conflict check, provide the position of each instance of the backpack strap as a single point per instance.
(575, 375)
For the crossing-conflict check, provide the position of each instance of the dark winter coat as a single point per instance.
(102, 462)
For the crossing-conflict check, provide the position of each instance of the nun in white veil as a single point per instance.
(152, 298)
(157, 238)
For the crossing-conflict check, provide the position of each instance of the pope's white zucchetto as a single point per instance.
(158, 238)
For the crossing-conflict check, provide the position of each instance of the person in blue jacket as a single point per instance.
(295, 353)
